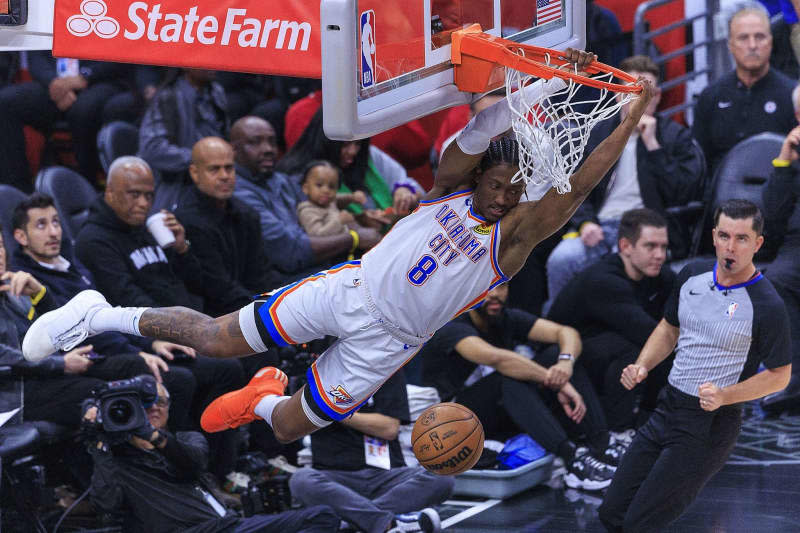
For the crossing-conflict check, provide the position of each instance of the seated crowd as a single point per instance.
(251, 195)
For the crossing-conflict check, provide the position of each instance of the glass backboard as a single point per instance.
(386, 62)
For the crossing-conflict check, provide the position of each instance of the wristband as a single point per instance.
(781, 163)
(354, 235)
(566, 357)
(39, 295)
(408, 186)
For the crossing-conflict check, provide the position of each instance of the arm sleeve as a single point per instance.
(774, 340)
(453, 332)
(671, 308)
(520, 323)
(111, 274)
(48, 367)
(779, 197)
(158, 136)
(702, 124)
(42, 67)
(188, 268)
(187, 451)
(677, 168)
(281, 234)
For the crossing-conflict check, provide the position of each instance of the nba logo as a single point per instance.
(368, 64)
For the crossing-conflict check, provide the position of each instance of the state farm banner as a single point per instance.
(261, 36)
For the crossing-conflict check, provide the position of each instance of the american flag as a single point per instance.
(547, 10)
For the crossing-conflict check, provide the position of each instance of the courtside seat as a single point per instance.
(742, 174)
(116, 139)
(9, 198)
(72, 194)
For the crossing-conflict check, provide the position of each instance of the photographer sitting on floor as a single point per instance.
(151, 477)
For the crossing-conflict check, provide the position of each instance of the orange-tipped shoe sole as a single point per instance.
(236, 408)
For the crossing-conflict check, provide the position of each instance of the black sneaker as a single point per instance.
(588, 473)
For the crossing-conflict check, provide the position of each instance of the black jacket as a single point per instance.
(603, 298)
(65, 285)
(669, 176)
(228, 243)
(781, 213)
(157, 490)
(129, 268)
(16, 315)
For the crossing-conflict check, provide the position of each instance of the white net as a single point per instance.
(553, 127)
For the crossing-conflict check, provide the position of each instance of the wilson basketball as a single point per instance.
(447, 439)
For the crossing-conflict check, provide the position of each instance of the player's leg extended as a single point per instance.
(88, 314)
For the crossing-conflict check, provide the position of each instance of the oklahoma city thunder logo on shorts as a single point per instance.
(340, 396)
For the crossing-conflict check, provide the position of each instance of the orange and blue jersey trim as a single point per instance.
(495, 251)
(328, 408)
(268, 311)
(474, 215)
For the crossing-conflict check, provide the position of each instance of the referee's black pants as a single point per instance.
(671, 458)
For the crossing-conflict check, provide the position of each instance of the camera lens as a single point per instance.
(120, 412)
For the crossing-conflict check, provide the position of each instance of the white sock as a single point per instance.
(121, 319)
(266, 405)
(496, 119)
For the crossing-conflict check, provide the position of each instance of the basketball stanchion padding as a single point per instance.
(447, 439)
(553, 125)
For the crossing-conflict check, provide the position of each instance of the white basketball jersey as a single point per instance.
(434, 264)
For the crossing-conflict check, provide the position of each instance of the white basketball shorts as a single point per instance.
(334, 302)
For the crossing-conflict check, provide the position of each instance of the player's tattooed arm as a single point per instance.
(216, 337)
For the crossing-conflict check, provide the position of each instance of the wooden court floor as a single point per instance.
(757, 491)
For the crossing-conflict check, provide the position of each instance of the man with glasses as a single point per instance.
(127, 477)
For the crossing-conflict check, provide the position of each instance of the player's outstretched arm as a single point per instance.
(529, 223)
(215, 337)
(464, 154)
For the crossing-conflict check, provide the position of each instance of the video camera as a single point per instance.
(121, 406)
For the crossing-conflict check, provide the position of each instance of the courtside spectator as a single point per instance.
(359, 468)
(754, 98)
(184, 111)
(275, 197)
(659, 168)
(615, 304)
(364, 167)
(84, 93)
(37, 230)
(549, 398)
(225, 233)
(782, 227)
(155, 484)
(131, 269)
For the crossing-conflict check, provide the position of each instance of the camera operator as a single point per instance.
(151, 479)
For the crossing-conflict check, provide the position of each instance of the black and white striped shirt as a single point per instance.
(725, 332)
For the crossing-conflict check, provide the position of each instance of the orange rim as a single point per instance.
(479, 58)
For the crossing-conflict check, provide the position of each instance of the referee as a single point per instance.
(726, 319)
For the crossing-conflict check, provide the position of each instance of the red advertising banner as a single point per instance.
(268, 37)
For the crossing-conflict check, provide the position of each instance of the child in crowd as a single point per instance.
(320, 215)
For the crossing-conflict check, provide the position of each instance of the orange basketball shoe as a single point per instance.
(236, 408)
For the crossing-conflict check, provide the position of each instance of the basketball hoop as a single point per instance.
(552, 126)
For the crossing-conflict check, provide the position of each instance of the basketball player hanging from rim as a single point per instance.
(435, 264)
